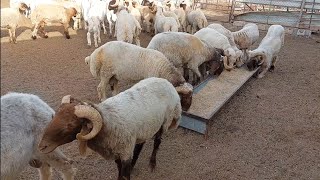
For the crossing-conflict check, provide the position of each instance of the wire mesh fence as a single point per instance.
(300, 14)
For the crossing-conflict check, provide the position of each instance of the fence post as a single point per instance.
(300, 16)
(231, 15)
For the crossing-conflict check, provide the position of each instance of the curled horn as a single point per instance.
(66, 99)
(225, 63)
(90, 113)
(115, 4)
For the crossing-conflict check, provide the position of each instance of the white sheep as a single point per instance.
(163, 23)
(134, 11)
(196, 19)
(47, 13)
(127, 27)
(120, 124)
(220, 41)
(247, 36)
(226, 32)
(11, 18)
(172, 14)
(23, 118)
(119, 61)
(266, 54)
(184, 49)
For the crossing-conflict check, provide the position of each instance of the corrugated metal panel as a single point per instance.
(286, 3)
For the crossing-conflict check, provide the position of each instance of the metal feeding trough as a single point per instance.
(210, 95)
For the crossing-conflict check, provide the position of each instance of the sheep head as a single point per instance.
(216, 65)
(67, 123)
(229, 59)
(185, 92)
(72, 12)
(256, 59)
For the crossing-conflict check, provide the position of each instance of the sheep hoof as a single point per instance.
(46, 36)
(152, 164)
(34, 37)
(68, 36)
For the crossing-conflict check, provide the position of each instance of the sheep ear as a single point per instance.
(66, 99)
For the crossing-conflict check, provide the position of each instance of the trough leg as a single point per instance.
(157, 142)
(136, 152)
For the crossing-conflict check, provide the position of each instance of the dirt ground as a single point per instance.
(268, 130)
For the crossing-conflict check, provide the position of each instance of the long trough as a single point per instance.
(210, 95)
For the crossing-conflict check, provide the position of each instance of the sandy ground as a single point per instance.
(268, 130)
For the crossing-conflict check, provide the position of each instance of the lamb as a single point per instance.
(218, 40)
(11, 18)
(266, 54)
(185, 49)
(226, 32)
(120, 125)
(164, 24)
(95, 18)
(127, 27)
(119, 61)
(23, 118)
(147, 16)
(197, 20)
(47, 13)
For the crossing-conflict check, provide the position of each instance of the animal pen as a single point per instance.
(299, 17)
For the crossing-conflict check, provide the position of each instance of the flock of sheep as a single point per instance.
(118, 127)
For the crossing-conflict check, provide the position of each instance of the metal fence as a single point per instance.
(298, 14)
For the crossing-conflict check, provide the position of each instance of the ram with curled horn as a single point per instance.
(114, 130)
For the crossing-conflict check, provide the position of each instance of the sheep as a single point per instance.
(127, 27)
(47, 13)
(134, 11)
(120, 61)
(147, 16)
(23, 118)
(246, 37)
(226, 32)
(266, 54)
(218, 40)
(120, 125)
(11, 18)
(164, 24)
(172, 14)
(185, 49)
(197, 20)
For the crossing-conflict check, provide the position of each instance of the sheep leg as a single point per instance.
(104, 27)
(66, 31)
(45, 172)
(89, 39)
(274, 60)
(125, 169)
(59, 161)
(10, 35)
(99, 38)
(41, 29)
(136, 152)
(118, 162)
(35, 31)
(102, 88)
(137, 40)
(157, 142)
(95, 38)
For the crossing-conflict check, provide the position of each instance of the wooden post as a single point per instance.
(300, 16)
(231, 15)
